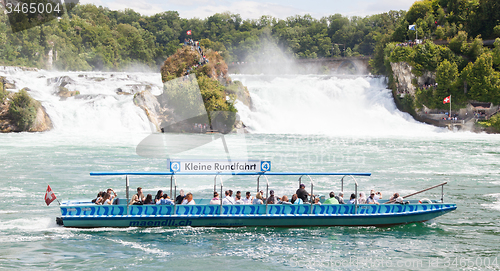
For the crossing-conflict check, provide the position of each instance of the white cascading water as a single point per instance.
(313, 104)
(99, 109)
(303, 104)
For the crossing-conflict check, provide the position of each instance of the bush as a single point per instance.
(22, 110)
(3, 92)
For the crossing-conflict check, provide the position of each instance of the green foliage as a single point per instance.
(493, 122)
(96, 38)
(23, 109)
(401, 54)
(3, 92)
(483, 81)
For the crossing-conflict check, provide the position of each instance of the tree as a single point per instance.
(482, 80)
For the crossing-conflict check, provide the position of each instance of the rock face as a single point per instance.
(41, 122)
(405, 78)
(194, 80)
(150, 105)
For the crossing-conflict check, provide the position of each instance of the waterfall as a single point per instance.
(314, 104)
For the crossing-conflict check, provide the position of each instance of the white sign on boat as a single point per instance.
(219, 166)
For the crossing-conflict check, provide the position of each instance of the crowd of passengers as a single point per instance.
(301, 196)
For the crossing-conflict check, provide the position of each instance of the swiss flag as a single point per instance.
(49, 196)
(447, 100)
(188, 32)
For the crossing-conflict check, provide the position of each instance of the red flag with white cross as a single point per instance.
(447, 100)
(49, 196)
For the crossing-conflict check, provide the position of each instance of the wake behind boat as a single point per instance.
(85, 214)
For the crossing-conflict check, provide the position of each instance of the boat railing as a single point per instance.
(418, 192)
(221, 191)
(173, 181)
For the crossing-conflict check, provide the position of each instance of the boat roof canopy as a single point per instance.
(231, 173)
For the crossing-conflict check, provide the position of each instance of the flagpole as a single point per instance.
(450, 106)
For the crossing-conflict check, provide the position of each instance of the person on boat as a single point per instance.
(188, 200)
(238, 199)
(302, 193)
(98, 199)
(378, 195)
(352, 200)
(258, 199)
(362, 198)
(284, 200)
(112, 194)
(394, 197)
(340, 198)
(228, 200)
(272, 198)
(332, 199)
(400, 200)
(215, 200)
(238, 193)
(296, 200)
(106, 199)
(180, 198)
(371, 199)
(138, 198)
(248, 198)
(165, 200)
(149, 199)
(159, 196)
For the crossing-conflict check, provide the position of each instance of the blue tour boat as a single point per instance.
(85, 214)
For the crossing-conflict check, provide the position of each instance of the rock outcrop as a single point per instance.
(40, 122)
(196, 85)
(406, 80)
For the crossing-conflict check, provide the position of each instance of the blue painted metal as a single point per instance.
(230, 173)
(85, 215)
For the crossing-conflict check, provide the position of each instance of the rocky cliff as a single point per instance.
(38, 120)
(405, 80)
(196, 83)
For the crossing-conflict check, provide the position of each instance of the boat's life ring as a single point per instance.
(425, 200)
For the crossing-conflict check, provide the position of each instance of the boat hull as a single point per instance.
(89, 216)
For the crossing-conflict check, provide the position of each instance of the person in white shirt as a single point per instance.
(238, 200)
(228, 199)
(248, 199)
(189, 200)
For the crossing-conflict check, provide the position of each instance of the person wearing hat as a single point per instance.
(302, 193)
(272, 198)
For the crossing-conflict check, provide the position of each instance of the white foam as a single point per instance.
(360, 106)
(495, 205)
(142, 247)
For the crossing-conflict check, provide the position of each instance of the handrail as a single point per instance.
(418, 192)
(232, 173)
(220, 197)
(355, 191)
(127, 186)
(267, 192)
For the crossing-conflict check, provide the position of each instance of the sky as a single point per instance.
(254, 9)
